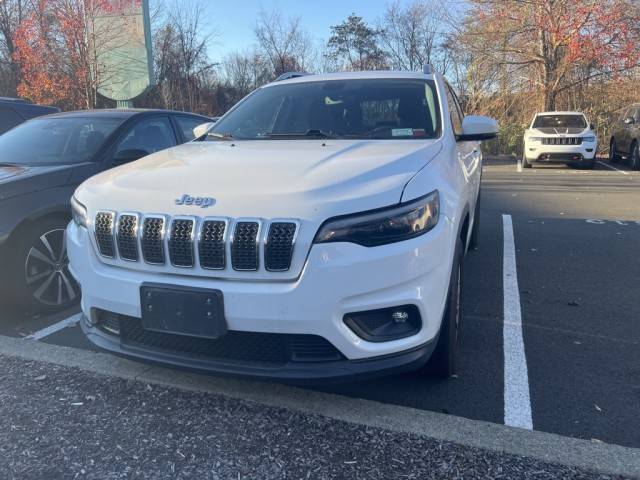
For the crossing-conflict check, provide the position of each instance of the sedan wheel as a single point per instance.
(46, 271)
(635, 157)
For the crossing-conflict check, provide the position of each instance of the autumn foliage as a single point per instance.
(555, 44)
(56, 50)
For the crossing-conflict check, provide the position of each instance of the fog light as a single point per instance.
(385, 324)
(400, 316)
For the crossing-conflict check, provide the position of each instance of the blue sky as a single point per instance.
(234, 20)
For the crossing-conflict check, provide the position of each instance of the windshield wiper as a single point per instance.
(219, 136)
(309, 133)
(8, 164)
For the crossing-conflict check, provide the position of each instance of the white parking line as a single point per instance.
(612, 167)
(56, 327)
(517, 402)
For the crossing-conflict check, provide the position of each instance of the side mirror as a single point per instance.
(203, 128)
(592, 126)
(476, 128)
(629, 120)
(129, 155)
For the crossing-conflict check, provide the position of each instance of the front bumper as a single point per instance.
(306, 373)
(338, 278)
(536, 152)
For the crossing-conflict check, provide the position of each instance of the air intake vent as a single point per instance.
(153, 240)
(181, 243)
(127, 237)
(279, 247)
(104, 234)
(211, 245)
(244, 249)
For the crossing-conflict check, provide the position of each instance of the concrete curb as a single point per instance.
(599, 457)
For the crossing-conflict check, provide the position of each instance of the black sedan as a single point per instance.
(42, 161)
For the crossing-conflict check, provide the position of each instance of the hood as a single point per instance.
(22, 179)
(560, 131)
(305, 179)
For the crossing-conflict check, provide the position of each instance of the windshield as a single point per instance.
(46, 141)
(560, 121)
(382, 109)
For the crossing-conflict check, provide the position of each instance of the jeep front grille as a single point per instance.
(279, 246)
(244, 245)
(104, 234)
(211, 244)
(127, 237)
(181, 242)
(562, 140)
(152, 240)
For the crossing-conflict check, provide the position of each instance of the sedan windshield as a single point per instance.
(48, 141)
(381, 109)
(560, 121)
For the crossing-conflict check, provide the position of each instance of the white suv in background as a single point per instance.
(316, 232)
(560, 137)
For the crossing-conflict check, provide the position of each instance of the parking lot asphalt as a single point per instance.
(577, 257)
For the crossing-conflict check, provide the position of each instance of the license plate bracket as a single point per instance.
(195, 312)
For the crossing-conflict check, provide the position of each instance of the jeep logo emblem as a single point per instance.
(202, 202)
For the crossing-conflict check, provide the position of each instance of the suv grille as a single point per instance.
(211, 245)
(160, 240)
(256, 347)
(279, 246)
(562, 140)
(128, 237)
(104, 234)
(181, 243)
(153, 240)
(244, 249)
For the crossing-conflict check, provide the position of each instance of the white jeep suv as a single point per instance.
(316, 232)
(560, 137)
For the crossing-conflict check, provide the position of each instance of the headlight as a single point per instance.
(387, 225)
(589, 139)
(535, 139)
(79, 213)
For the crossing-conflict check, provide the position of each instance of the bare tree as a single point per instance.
(414, 35)
(12, 12)
(244, 72)
(284, 42)
(182, 63)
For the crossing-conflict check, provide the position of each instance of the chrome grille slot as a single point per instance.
(152, 240)
(211, 244)
(561, 140)
(181, 242)
(127, 237)
(279, 247)
(103, 229)
(244, 247)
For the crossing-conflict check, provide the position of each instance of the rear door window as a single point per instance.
(8, 119)
(187, 124)
(150, 135)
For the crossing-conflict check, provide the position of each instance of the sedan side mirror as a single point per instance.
(476, 128)
(203, 128)
(129, 155)
(592, 126)
(629, 120)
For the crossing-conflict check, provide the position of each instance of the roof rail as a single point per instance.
(290, 75)
(11, 99)
(427, 69)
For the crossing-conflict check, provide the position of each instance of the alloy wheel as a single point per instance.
(47, 270)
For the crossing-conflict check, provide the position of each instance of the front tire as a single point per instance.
(39, 271)
(634, 158)
(614, 157)
(444, 361)
(525, 162)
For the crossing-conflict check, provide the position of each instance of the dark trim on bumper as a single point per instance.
(304, 373)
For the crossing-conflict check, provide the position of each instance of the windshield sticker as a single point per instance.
(402, 132)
